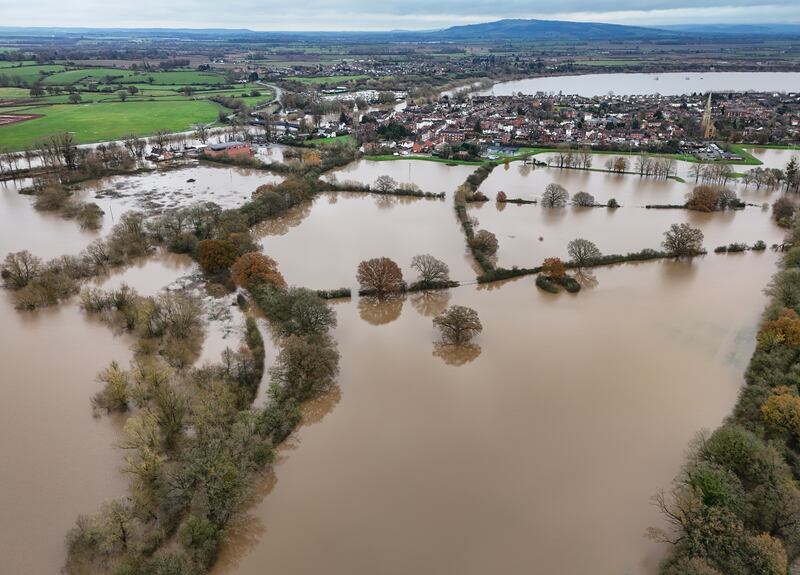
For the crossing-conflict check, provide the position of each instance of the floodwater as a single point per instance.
(58, 460)
(529, 233)
(434, 177)
(774, 158)
(668, 84)
(537, 448)
(320, 245)
(163, 189)
(536, 451)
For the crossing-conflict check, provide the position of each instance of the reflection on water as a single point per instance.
(576, 411)
(380, 311)
(430, 303)
(429, 176)
(456, 355)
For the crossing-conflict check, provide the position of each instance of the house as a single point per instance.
(230, 149)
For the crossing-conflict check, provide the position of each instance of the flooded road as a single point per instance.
(540, 449)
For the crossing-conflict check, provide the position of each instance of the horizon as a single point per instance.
(413, 16)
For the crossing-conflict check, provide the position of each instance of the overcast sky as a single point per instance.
(382, 14)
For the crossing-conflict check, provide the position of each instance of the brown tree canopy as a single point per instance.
(458, 324)
(554, 268)
(485, 242)
(216, 256)
(255, 268)
(501, 196)
(703, 198)
(380, 275)
(583, 199)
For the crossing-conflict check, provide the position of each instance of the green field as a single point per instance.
(96, 74)
(179, 78)
(111, 121)
(328, 79)
(13, 93)
(346, 139)
(31, 74)
(9, 64)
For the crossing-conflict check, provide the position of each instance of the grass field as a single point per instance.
(111, 121)
(96, 74)
(30, 74)
(9, 64)
(328, 79)
(178, 78)
(13, 93)
(346, 139)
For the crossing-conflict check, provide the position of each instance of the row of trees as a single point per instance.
(735, 507)
(383, 277)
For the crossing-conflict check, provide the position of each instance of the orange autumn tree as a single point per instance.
(782, 410)
(380, 276)
(554, 268)
(255, 268)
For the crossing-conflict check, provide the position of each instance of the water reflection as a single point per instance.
(586, 277)
(430, 303)
(281, 225)
(456, 355)
(380, 311)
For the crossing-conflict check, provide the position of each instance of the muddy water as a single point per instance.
(164, 189)
(774, 158)
(539, 451)
(669, 84)
(319, 246)
(429, 176)
(529, 233)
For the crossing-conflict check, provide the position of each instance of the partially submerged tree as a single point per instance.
(485, 242)
(19, 268)
(431, 271)
(554, 268)
(682, 240)
(582, 252)
(216, 256)
(583, 199)
(555, 196)
(458, 324)
(385, 184)
(380, 275)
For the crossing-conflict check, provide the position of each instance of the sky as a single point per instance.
(383, 14)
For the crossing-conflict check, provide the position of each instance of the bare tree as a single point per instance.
(555, 196)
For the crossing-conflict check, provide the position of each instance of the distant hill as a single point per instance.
(525, 30)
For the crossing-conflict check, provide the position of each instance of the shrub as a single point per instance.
(612, 203)
(216, 256)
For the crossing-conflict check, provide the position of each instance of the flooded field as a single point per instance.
(541, 447)
(547, 437)
(341, 229)
(668, 84)
(432, 177)
(530, 233)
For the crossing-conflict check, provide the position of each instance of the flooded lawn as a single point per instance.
(540, 448)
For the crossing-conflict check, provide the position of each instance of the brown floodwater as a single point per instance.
(320, 245)
(537, 450)
(432, 177)
(529, 233)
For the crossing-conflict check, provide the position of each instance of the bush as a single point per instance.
(546, 284)
(612, 203)
(216, 256)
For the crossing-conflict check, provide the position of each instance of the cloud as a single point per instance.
(388, 14)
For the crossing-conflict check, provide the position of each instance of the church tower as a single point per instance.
(707, 124)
